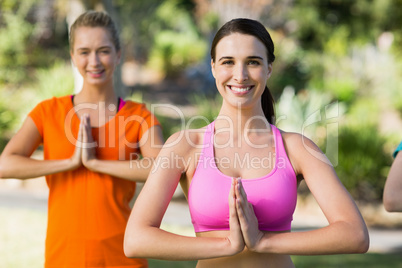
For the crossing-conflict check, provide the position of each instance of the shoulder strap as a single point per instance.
(208, 147)
(279, 146)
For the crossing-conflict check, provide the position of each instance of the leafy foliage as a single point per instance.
(15, 35)
(7, 119)
(363, 163)
(177, 43)
(56, 80)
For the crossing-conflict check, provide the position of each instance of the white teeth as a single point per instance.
(98, 72)
(240, 89)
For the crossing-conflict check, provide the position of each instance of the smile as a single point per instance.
(96, 73)
(240, 89)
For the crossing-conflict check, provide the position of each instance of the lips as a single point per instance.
(97, 73)
(240, 90)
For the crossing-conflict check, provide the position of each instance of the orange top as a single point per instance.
(88, 211)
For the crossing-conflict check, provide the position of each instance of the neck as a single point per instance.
(94, 94)
(241, 120)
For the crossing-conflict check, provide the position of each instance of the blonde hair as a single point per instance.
(95, 19)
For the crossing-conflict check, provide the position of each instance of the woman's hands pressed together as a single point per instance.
(235, 236)
(85, 146)
(242, 216)
(88, 146)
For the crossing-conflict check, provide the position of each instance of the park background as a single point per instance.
(337, 79)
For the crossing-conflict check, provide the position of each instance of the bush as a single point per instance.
(56, 81)
(363, 163)
(7, 120)
(177, 43)
(15, 35)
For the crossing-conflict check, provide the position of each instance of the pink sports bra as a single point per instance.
(273, 196)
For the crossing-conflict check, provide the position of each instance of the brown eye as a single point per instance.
(227, 62)
(253, 62)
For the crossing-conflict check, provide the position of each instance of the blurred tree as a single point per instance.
(363, 20)
(7, 118)
(177, 42)
(16, 35)
(269, 12)
(136, 18)
(325, 30)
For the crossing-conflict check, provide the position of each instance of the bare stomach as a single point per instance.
(246, 258)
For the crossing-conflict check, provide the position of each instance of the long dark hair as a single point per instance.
(256, 29)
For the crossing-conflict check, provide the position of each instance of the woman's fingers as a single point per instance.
(233, 218)
(87, 135)
(88, 151)
(242, 204)
(76, 157)
(247, 218)
(235, 235)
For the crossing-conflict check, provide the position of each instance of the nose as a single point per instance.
(241, 73)
(94, 59)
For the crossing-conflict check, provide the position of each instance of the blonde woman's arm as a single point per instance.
(16, 161)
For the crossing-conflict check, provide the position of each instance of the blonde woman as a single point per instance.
(91, 144)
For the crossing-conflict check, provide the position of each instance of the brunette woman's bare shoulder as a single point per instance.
(300, 148)
(297, 141)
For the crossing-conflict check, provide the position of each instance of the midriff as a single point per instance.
(245, 259)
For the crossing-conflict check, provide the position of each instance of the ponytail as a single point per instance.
(268, 105)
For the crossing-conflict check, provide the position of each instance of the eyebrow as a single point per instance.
(85, 48)
(249, 57)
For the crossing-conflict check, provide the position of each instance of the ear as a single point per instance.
(72, 57)
(269, 70)
(213, 68)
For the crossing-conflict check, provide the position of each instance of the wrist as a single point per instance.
(72, 163)
(92, 164)
(231, 248)
(259, 246)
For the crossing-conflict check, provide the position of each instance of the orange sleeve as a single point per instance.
(37, 115)
(150, 120)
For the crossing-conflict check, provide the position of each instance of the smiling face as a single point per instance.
(94, 55)
(241, 70)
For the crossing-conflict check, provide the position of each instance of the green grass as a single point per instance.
(22, 237)
(172, 264)
(368, 260)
